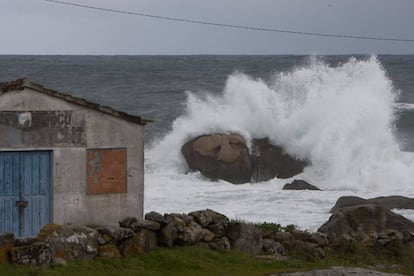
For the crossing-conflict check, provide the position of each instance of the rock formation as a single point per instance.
(270, 161)
(387, 202)
(219, 156)
(367, 224)
(226, 156)
(300, 185)
(61, 243)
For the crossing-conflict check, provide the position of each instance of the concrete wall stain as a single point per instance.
(42, 128)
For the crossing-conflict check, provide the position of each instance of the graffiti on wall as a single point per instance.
(42, 128)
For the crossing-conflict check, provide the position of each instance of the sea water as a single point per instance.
(352, 117)
(341, 118)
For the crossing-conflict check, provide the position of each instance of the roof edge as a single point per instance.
(21, 84)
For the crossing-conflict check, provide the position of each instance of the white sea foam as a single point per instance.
(340, 118)
(404, 106)
(261, 202)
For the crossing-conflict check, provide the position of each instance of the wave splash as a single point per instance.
(340, 118)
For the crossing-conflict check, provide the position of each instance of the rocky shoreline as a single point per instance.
(368, 225)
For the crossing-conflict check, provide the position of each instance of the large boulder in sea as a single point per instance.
(270, 161)
(219, 156)
(368, 220)
(226, 156)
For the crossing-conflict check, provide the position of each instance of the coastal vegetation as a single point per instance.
(205, 242)
(197, 260)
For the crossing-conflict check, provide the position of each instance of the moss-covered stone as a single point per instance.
(49, 230)
(107, 237)
(70, 242)
(37, 253)
(109, 251)
(143, 242)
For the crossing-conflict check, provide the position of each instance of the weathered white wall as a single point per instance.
(70, 202)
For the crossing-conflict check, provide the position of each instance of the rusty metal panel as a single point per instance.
(42, 128)
(106, 171)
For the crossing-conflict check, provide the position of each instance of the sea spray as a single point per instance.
(340, 118)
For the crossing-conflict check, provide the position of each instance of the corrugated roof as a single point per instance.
(21, 84)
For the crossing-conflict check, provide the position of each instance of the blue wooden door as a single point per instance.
(9, 192)
(24, 192)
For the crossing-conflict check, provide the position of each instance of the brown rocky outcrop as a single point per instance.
(226, 156)
(219, 156)
(270, 161)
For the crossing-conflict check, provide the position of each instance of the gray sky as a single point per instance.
(39, 27)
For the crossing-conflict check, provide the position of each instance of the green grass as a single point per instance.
(202, 261)
(276, 227)
(163, 261)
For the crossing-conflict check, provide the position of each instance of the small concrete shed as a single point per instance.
(66, 160)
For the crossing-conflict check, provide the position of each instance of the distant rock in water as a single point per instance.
(300, 185)
(226, 156)
(219, 156)
(388, 202)
(270, 161)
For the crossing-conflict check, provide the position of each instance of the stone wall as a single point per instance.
(60, 243)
